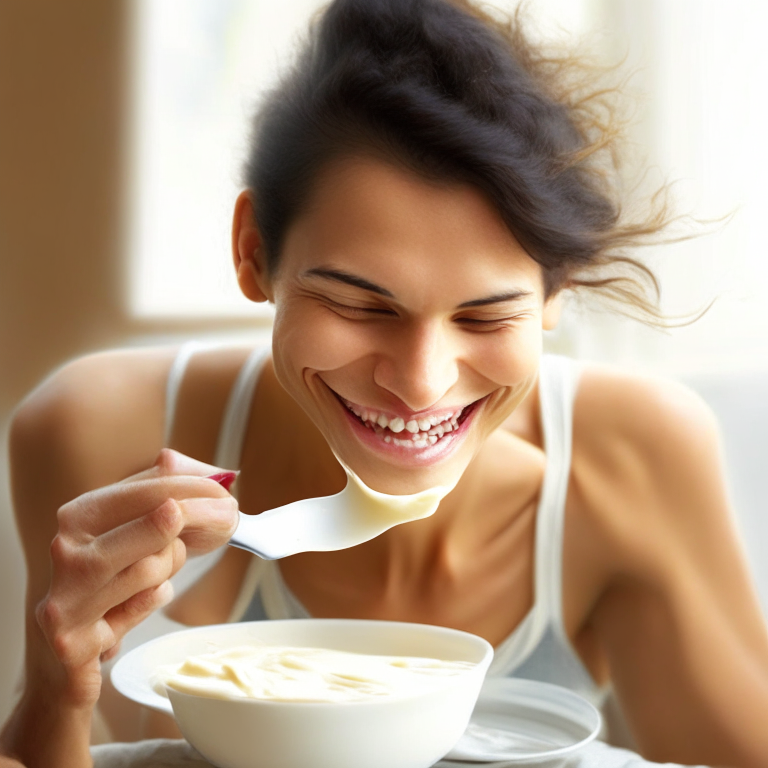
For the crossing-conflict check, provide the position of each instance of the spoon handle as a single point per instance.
(249, 535)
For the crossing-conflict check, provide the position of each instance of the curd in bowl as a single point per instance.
(410, 727)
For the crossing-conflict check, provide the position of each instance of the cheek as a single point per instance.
(314, 338)
(510, 359)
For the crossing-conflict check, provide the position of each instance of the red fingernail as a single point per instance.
(224, 479)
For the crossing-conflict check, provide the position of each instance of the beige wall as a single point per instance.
(63, 110)
(62, 76)
(62, 80)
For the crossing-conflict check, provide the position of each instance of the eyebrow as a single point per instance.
(341, 276)
(345, 277)
(496, 299)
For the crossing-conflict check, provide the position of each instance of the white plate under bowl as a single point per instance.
(518, 720)
(399, 731)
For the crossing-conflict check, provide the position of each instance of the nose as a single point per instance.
(419, 366)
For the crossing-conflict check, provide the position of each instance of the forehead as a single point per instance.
(373, 217)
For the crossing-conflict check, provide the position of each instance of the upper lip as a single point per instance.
(443, 414)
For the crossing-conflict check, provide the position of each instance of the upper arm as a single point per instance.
(95, 421)
(679, 620)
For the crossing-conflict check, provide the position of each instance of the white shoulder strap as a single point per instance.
(228, 450)
(175, 377)
(232, 433)
(557, 390)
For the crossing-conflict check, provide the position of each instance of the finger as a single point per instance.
(139, 538)
(86, 568)
(109, 654)
(89, 580)
(124, 617)
(208, 523)
(99, 511)
(204, 524)
(147, 573)
(81, 644)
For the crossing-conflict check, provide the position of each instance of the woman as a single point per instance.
(423, 186)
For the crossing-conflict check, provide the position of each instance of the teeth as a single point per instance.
(424, 431)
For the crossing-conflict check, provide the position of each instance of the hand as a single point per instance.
(9, 762)
(114, 553)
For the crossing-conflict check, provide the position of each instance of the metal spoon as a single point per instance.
(350, 517)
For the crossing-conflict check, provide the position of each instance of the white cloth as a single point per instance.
(164, 753)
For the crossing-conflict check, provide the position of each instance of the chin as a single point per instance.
(399, 481)
(404, 462)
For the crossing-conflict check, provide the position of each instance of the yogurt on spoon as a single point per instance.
(354, 515)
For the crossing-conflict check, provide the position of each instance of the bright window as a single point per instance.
(200, 67)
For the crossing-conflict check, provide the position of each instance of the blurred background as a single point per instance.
(123, 127)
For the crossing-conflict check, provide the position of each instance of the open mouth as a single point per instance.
(415, 433)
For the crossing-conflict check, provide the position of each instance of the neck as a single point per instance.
(446, 540)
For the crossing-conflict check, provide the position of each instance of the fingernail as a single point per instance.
(224, 479)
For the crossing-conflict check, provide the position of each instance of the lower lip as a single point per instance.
(430, 454)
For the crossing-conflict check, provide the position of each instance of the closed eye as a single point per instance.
(361, 311)
(488, 324)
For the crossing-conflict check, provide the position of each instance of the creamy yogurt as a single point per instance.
(346, 519)
(280, 673)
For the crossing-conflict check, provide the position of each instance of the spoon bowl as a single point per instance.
(354, 515)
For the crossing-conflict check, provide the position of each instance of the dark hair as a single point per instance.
(457, 95)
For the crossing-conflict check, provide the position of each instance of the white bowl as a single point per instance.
(394, 732)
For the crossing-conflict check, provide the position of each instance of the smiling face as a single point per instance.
(408, 320)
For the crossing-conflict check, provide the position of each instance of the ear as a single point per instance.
(247, 251)
(553, 308)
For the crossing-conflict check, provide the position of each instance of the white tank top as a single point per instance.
(539, 647)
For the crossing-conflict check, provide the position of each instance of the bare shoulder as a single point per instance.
(675, 615)
(94, 382)
(113, 399)
(650, 416)
(647, 464)
(93, 422)
(101, 418)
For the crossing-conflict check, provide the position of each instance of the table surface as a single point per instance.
(166, 753)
